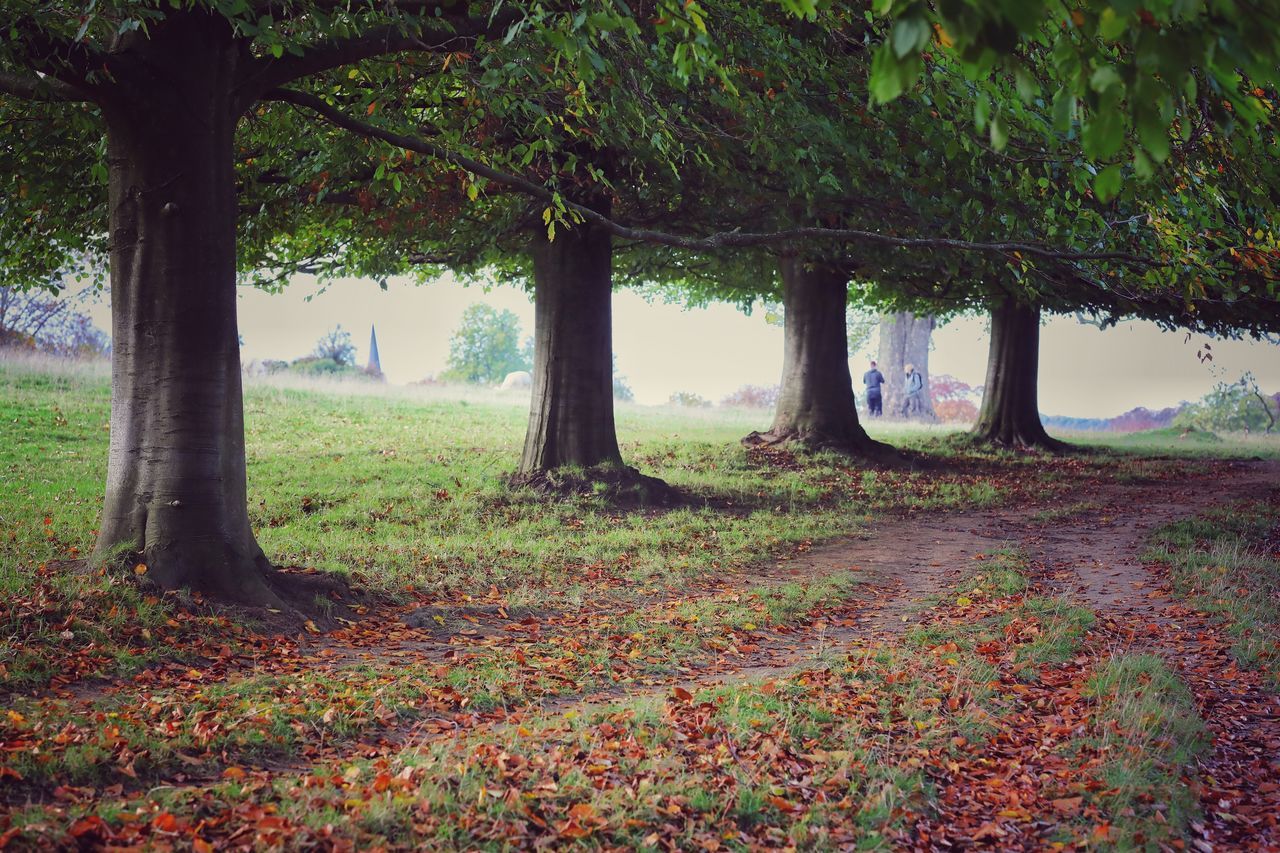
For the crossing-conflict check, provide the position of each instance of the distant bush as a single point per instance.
(954, 401)
(753, 397)
(689, 400)
(486, 346)
(314, 366)
(1236, 406)
(335, 346)
(956, 411)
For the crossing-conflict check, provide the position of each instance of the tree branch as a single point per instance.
(44, 89)
(710, 242)
(265, 75)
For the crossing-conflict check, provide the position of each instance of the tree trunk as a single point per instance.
(1010, 413)
(905, 339)
(816, 403)
(176, 487)
(571, 415)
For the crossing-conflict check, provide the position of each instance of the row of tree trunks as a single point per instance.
(905, 339)
(176, 486)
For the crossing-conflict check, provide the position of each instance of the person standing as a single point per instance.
(913, 404)
(873, 379)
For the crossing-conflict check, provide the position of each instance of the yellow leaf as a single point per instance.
(311, 626)
(964, 601)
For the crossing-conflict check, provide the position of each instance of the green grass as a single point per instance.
(1148, 734)
(1220, 562)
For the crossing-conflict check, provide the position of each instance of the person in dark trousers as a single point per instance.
(873, 379)
(913, 390)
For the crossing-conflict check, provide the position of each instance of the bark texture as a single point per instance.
(571, 414)
(816, 403)
(1010, 413)
(905, 339)
(176, 485)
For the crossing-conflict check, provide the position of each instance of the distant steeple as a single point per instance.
(374, 368)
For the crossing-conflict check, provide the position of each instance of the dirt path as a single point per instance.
(1091, 553)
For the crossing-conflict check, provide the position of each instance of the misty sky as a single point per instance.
(1084, 372)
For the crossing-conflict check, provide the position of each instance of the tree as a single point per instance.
(815, 402)
(1239, 405)
(905, 339)
(336, 346)
(486, 346)
(50, 324)
(169, 85)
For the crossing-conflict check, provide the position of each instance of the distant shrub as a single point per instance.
(313, 366)
(753, 397)
(956, 411)
(689, 400)
(335, 346)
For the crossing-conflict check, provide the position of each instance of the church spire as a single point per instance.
(374, 368)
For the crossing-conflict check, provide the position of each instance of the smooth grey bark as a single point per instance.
(905, 339)
(1010, 413)
(176, 484)
(815, 402)
(571, 413)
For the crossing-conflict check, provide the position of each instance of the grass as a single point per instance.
(1148, 734)
(1225, 563)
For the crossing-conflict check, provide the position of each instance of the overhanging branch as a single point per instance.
(266, 75)
(35, 88)
(710, 242)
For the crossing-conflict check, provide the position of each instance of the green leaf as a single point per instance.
(1107, 183)
(909, 35)
(1111, 25)
(1026, 84)
(1103, 134)
(1154, 135)
(999, 133)
(1064, 109)
(1104, 78)
(1142, 166)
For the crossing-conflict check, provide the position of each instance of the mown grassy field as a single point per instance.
(547, 602)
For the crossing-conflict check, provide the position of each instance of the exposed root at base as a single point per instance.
(862, 446)
(1021, 441)
(295, 599)
(620, 485)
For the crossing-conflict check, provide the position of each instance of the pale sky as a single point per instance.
(1084, 372)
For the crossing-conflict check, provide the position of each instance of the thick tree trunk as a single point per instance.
(176, 472)
(1010, 413)
(816, 402)
(905, 339)
(571, 415)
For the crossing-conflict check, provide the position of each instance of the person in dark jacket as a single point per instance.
(913, 391)
(873, 379)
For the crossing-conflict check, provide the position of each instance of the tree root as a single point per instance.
(857, 444)
(619, 485)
